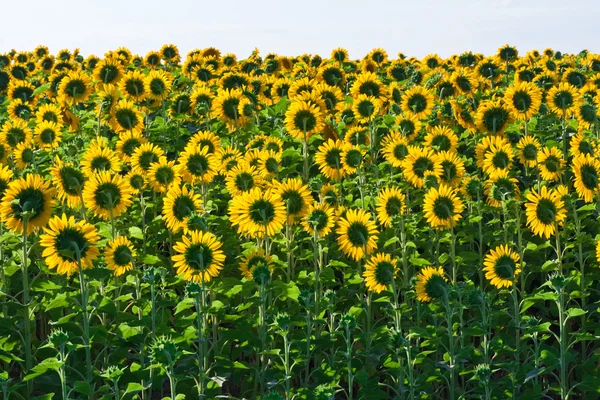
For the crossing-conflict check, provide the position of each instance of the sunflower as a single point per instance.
(442, 207)
(136, 178)
(49, 113)
(500, 187)
(545, 211)
(380, 272)
(357, 234)
(296, 197)
(340, 55)
(441, 138)
(369, 84)
(97, 159)
(302, 120)
(18, 110)
(206, 139)
(431, 284)
(201, 99)
(330, 96)
(391, 202)
(417, 163)
(258, 213)
(119, 254)
(158, 85)
(162, 175)
(23, 90)
(395, 149)
(550, 162)
(352, 158)
(586, 171)
(464, 80)
(132, 86)
(485, 145)
(527, 150)
(197, 165)
(107, 195)
(417, 102)
(255, 259)
(493, 117)
(563, 99)
(74, 88)
(523, 99)
(332, 75)
(24, 155)
(582, 145)
(179, 205)
(498, 158)
(328, 195)
(319, 218)
(357, 136)
(126, 117)
(587, 115)
(242, 178)
(146, 154)
(408, 126)
(269, 164)
(47, 135)
(127, 144)
(108, 72)
(181, 105)
(69, 182)
(453, 167)
(27, 199)
(15, 132)
(226, 105)
(199, 256)
(6, 174)
(228, 157)
(366, 108)
(68, 245)
(329, 159)
(502, 266)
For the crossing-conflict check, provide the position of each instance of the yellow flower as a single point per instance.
(199, 257)
(27, 199)
(67, 244)
(502, 266)
(431, 284)
(119, 254)
(380, 272)
(442, 207)
(545, 211)
(357, 234)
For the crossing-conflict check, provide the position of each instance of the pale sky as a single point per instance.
(415, 27)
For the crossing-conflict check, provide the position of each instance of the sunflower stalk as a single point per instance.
(26, 318)
(86, 319)
(263, 333)
(451, 353)
(517, 322)
(200, 300)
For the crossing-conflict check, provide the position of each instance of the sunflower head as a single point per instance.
(69, 246)
(380, 272)
(119, 255)
(26, 204)
(199, 257)
(431, 284)
(501, 266)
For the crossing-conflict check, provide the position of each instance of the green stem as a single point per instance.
(26, 305)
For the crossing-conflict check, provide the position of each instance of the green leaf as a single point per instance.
(149, 259)
(60, 301)
(575, 312)
(133, 387)
(41, 89)
(49, 364)
(82, 387)
(136, 232)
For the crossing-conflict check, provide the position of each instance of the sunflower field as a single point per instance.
(299, 227)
